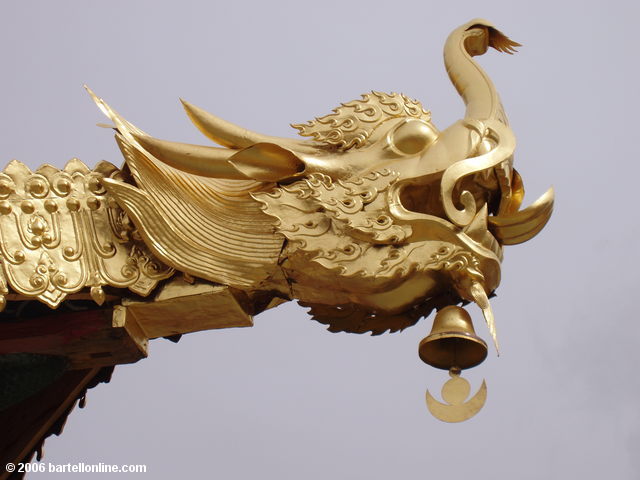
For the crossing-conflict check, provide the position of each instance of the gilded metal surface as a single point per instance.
(380, 214)
(61, 232)
(453, 341)
(179, 307)
(455, 391)
(373, 220)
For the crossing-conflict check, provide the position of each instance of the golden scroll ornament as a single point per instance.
(61, 232)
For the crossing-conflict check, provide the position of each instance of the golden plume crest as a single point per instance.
(351, 124)
(501, 42)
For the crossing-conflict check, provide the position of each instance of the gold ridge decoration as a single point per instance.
(380, 209)
(374, 222)
(60, 231)
(351, 124)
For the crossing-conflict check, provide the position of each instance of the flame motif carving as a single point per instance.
(351, 124)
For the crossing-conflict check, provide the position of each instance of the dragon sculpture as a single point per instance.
(373, 222)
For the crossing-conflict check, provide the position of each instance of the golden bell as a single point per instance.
(452, 341)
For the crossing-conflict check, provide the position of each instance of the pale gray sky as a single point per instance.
(286, 399)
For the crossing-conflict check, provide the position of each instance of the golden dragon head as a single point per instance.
(379, 211)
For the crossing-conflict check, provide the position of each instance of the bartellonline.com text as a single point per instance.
(41, 467)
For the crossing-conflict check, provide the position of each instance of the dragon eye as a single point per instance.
(412, 137)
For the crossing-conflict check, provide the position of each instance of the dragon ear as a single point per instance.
(267, 162)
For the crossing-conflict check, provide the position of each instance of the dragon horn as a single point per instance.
(265, 162)
(222, 132)
(231, 135)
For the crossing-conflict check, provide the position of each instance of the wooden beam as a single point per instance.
(25, 426)
(92, 338)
